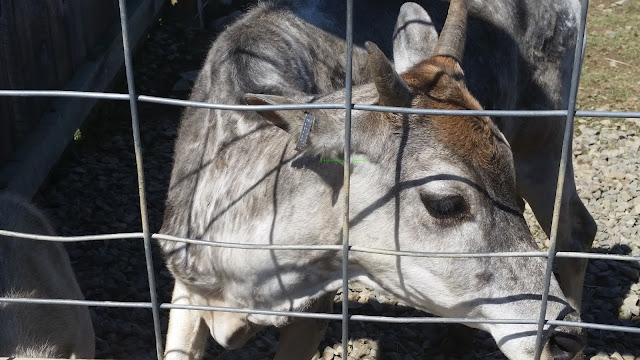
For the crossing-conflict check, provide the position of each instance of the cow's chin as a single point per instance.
(519, 343)
(522, 348)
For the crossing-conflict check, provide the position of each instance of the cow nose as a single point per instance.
(563, 346)
(567, 342)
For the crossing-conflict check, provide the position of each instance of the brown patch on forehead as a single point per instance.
(438, 83)
(471, 137)
(441, 78)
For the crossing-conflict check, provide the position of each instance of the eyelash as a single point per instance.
(446, 208)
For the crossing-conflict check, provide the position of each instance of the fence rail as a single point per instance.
(139, 235)
(345, 248)
(316, 106)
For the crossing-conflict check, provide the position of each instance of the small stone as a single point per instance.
(624, 313)
(600, 356)
(360, 349)
(616, 356)
(357, 286)
(632, 300)
(328, 353)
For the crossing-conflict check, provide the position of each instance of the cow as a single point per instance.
(38, 269)
(425, 183)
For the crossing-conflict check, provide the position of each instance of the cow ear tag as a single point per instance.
(304, 132)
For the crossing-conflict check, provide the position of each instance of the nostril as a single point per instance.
(563, 346)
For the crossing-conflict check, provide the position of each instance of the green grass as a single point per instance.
(611, 70)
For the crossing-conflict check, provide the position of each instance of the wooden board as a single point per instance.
(42, 43)
(34, 156)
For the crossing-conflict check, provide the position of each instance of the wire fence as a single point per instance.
(345, 248)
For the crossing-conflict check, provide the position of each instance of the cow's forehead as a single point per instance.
(438, 83)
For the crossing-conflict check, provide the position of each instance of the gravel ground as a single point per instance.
(93, 190)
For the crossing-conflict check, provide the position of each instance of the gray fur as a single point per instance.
(414, 35)
(38, 269)
(237, 178)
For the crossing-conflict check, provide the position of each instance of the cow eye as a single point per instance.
(447, 207)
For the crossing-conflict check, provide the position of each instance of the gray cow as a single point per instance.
(427, 183)
(38, 269)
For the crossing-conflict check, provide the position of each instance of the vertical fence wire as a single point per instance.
(347, 177)
(564, 158)
(155, 309)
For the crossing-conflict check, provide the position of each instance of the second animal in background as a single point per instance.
(38, 269)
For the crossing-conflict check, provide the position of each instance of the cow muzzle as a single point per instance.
(564, 342)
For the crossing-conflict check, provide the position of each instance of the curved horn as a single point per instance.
(391, 87)
(454, 32)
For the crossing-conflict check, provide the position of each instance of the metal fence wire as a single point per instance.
(155, 306)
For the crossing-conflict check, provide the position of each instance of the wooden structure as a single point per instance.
(55, 45)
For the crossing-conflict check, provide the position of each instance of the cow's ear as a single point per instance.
(288, 120)
(414, 37)
(323, 133)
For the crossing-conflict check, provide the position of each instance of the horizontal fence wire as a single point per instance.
(345, 247)
(325, 316)
(315, 106)
(352, 248)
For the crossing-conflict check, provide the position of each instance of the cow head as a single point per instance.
(436, 184)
